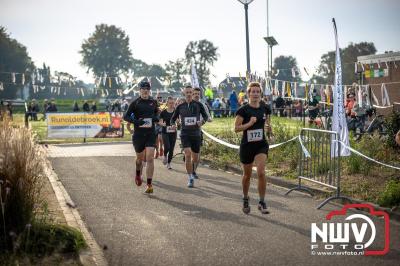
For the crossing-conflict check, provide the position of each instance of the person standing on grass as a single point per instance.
(189, 113)
(86, 107)
(143, 114)
(253, 119)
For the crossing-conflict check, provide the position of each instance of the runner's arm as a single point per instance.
(242, 127)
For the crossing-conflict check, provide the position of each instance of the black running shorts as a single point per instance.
(142, 140)
(193, 142)
(249, 151)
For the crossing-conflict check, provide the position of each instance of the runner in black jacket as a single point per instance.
(189, 113)
(143, 114)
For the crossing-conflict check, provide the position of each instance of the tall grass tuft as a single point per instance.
(21, 176)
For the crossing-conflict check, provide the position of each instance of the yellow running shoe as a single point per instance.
(149, 189)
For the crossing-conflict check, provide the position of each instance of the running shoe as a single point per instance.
(138, 180)
(195, 175)
(169, 166)
(246, 206)
(190, 182)
(165, 161)
(262, 207)
(149, 189)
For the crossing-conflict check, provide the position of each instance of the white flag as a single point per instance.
(385, 96)
(194, 78)
(339, 123)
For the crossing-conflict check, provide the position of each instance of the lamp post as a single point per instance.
(271, 43)
(246, 4)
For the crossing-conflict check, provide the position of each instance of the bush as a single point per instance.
(391, 195)
(21, 175)
(392, 124)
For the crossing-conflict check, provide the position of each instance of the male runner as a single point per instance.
(143, 114)
(196, 97)
(189, 113)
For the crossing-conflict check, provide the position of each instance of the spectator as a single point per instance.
(298, 108)
(216, 106)
(125, 105)
(350, 102)
(108, 105)
(280, 105)
(86, 107)
(233, 101)
(223, 107)
(35, 110)
(45, 106)
(52, 108)
(313, 107)
(75, 107)
(288, 107)
(10, 110)
(209, 94)
(242, 97)
(93, 107)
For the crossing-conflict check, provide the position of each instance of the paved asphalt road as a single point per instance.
(199, 226)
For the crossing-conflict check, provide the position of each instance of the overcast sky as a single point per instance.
(159, 30)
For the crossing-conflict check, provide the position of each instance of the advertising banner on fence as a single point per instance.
(84, 125)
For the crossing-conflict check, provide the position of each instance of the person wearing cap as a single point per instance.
(143, 114)
(189, 113)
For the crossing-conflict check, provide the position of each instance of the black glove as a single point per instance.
(138, 122)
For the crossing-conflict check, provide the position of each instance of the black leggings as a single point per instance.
(169, 144)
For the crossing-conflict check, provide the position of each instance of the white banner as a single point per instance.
(339, 123)
(84, 125)
(194, 78)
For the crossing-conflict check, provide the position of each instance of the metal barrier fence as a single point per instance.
(317, 163)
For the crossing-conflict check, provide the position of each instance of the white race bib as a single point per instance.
(147, 123)
(171, 129)
(254, 135)
(190, 121)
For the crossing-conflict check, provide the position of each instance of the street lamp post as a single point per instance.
(246, 4)
(271, 43)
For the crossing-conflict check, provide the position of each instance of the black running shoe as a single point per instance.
(263, 207)
(246, 206)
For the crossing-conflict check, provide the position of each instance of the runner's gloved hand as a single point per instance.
(137, 122)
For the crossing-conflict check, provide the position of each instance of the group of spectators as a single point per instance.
(33, 109)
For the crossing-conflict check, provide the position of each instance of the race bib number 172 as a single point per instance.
(254, 135)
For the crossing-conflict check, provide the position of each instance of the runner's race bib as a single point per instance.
(254, 135)
(190, 121)
(170, 129)
(147, 123)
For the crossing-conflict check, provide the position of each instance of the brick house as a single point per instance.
(381, 68)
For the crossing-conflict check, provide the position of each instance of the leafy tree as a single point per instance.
(139, 68)
(204, 54)
(326, 69)
(107, 51)
(175, 72)
(285, 64)
(13, 58)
